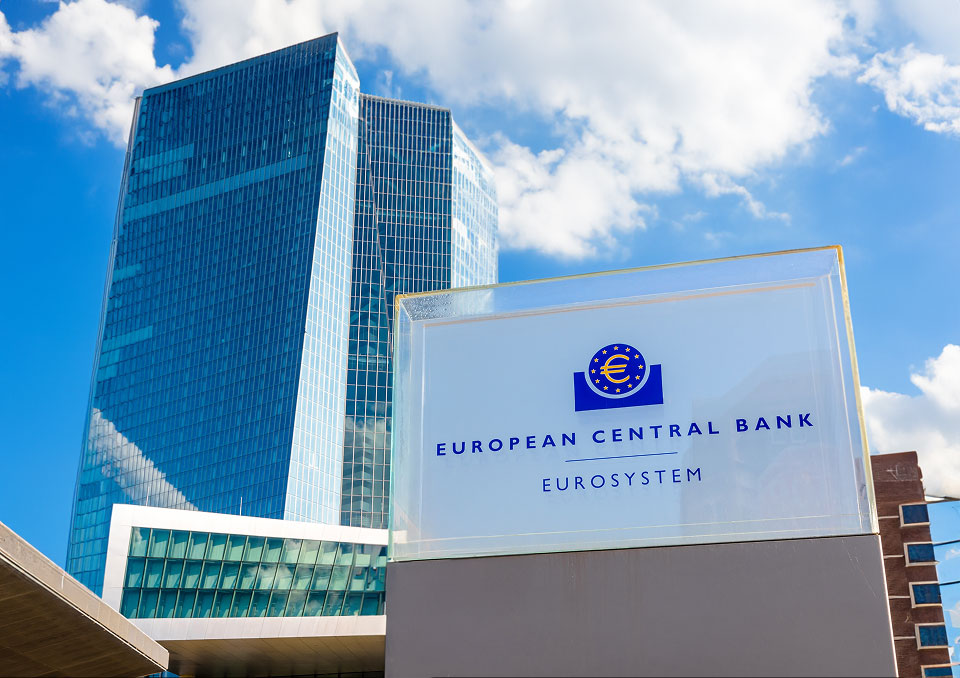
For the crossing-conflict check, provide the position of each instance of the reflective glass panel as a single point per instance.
(178, 544)
(666, 405)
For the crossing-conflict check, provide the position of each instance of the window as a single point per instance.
(919, 553)
(928, 635)
(943, 671)
(925, 593)
(914, 514)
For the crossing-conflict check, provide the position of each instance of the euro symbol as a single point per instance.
(609, 369)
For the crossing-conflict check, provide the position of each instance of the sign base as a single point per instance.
(800, 607)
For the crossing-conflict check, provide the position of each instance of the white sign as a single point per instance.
(702, 413)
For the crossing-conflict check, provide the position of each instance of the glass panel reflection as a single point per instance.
(297, 577)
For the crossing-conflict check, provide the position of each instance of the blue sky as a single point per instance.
(622, 134)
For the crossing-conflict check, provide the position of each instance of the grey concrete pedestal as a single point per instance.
(800, 607)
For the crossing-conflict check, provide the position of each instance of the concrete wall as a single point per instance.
(797, 607)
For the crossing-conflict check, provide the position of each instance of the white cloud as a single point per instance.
(91, 57)
(928, 423)
(918, 85)
(852, 156)
(644, 94)
(120, 460)
(646, 98)
(715, 185)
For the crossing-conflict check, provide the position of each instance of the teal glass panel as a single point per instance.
(328, 553)
(364, 555)
(248, 576)
(171, 574)
(211, 575)
(345, 554)
(351, 604)
(302, 577)
(321, 578)
(154, 573)
(371, 604)
(178, 544)
(309, 552)
(222, 604)
(158, 543)
(129, 603)
(341, 574)
(314, 606)
(148, 603)
(134, 572)
(333, 603)
(235, 544)
(241, 603)
(254, 549)
(168, 603)
(284, 577)
(191, 574)
(139, 538)
(295, 603)
(377, 579)
(258, 604)
(250, 588)
(185, 603)
(216, 546)
(204, 604)
(271, 553)
(228, 577)
(198, 545)
(278, 601)
(291, 551)
(266, 575)
(358, 579)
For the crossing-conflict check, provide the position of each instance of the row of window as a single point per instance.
(179, 544)
(214, 574)
(154, 603)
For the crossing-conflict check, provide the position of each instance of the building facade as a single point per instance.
(268, 215)
(913, 588)
(235, 595)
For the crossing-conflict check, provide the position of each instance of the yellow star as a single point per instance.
(596, 381)
(637, 356)
(616, 348)
(618, 390)
(593, 371)
(638, 376)
(604, 353)
(627, 349)
(596, 360)
(629, 385)
(605, 388)
(641, 367)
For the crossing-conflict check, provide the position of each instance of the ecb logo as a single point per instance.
(617, 376)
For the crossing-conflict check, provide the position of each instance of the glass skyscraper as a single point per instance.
(268, 215)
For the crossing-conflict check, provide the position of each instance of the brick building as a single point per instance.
(919, 633)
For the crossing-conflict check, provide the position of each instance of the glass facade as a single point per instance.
(268, 213)
(426, 219)
(174, 573)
